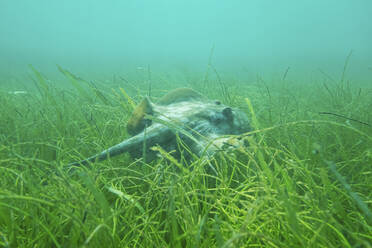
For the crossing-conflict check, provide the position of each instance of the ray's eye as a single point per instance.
(227, 112)
(217, 102)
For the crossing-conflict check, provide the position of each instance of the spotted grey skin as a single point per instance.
(198, 122)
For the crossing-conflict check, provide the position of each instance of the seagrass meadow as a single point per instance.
(305, 180)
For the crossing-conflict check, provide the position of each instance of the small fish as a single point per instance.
(18, 92)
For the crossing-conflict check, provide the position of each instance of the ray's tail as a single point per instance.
(132, 145)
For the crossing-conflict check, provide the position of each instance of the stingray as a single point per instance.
(183, 122)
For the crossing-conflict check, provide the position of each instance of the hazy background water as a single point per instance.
(93, 37)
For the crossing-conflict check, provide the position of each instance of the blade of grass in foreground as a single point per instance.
(128, 198)
(74, 80)
(98, 195)
(43, 87)
(359, 202)
(130, 100)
